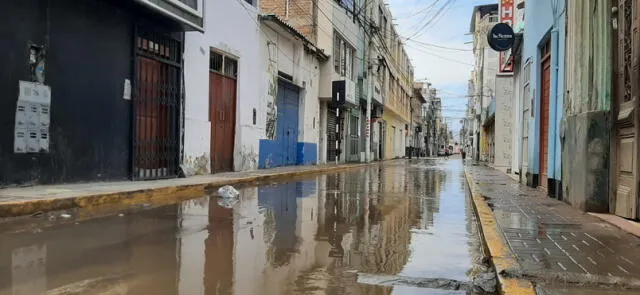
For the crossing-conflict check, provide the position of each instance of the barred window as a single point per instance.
(223, 64)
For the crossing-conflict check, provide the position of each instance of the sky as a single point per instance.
(431, 25)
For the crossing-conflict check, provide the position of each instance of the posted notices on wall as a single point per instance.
(33, 117)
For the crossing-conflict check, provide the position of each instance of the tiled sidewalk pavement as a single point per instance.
(554, 240)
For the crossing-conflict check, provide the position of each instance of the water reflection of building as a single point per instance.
(294, 238)
(133, 254)
(219, 267)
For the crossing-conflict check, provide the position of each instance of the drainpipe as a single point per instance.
(553, 93)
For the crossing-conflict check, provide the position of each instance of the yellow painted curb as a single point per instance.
(161, 195)
(499, 252)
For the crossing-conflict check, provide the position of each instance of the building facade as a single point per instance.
(416, 145)
(543, 60)
(393, 74)
(484, 78)
(220, 77)
(291, 64)
(109, 109)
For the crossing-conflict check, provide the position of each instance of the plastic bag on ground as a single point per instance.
(228, 191)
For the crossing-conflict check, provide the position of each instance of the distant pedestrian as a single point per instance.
(463, 154)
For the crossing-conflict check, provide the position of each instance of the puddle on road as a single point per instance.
(573, 290)
(320, 235)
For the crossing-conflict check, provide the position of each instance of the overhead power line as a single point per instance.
(431, 20)
(439, 46)
(442, 57)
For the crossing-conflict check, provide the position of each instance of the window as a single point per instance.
(191, 3)
(347, 4)
(230, 67)
(215, 62)
(354, 126)
(343, 57)
(223, 64)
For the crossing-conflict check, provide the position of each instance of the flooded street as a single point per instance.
(399, 227)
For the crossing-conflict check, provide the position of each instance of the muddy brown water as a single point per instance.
(351, 232)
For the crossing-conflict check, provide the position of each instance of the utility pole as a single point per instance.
(369, 67)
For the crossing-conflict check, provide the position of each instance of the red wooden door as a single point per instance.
(222, 115)
(544, 119)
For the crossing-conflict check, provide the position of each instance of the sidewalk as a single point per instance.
(552, 242)
(29, 200)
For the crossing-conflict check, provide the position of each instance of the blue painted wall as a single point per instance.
(283, 150)
(307, 153)
(270, 154)
(539, 22)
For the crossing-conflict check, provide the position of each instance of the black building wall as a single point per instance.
(89, 54)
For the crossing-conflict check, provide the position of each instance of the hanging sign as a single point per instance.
(506, 11)
(501, 37)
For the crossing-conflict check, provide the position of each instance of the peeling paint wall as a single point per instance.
(197, 133)
(281, 52)
(586, 126)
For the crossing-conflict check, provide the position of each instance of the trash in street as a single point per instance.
(228, 191)
(121, 214)
(227, 202)
(486, 282)
(65, 216)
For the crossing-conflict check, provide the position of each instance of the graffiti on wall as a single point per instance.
(272, 93)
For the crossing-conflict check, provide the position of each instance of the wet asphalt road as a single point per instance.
(399, 227)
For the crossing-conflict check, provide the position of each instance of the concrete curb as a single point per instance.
(500, 254)
(165, 195)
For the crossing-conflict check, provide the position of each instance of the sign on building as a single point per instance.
(507, 9)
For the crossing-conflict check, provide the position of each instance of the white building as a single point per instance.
(290, 70)
(235, 119)
(221, 97)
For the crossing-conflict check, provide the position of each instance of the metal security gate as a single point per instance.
(332, 136)
(156, 105)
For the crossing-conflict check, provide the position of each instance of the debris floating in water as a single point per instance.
(227, 202)
(228, 191)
